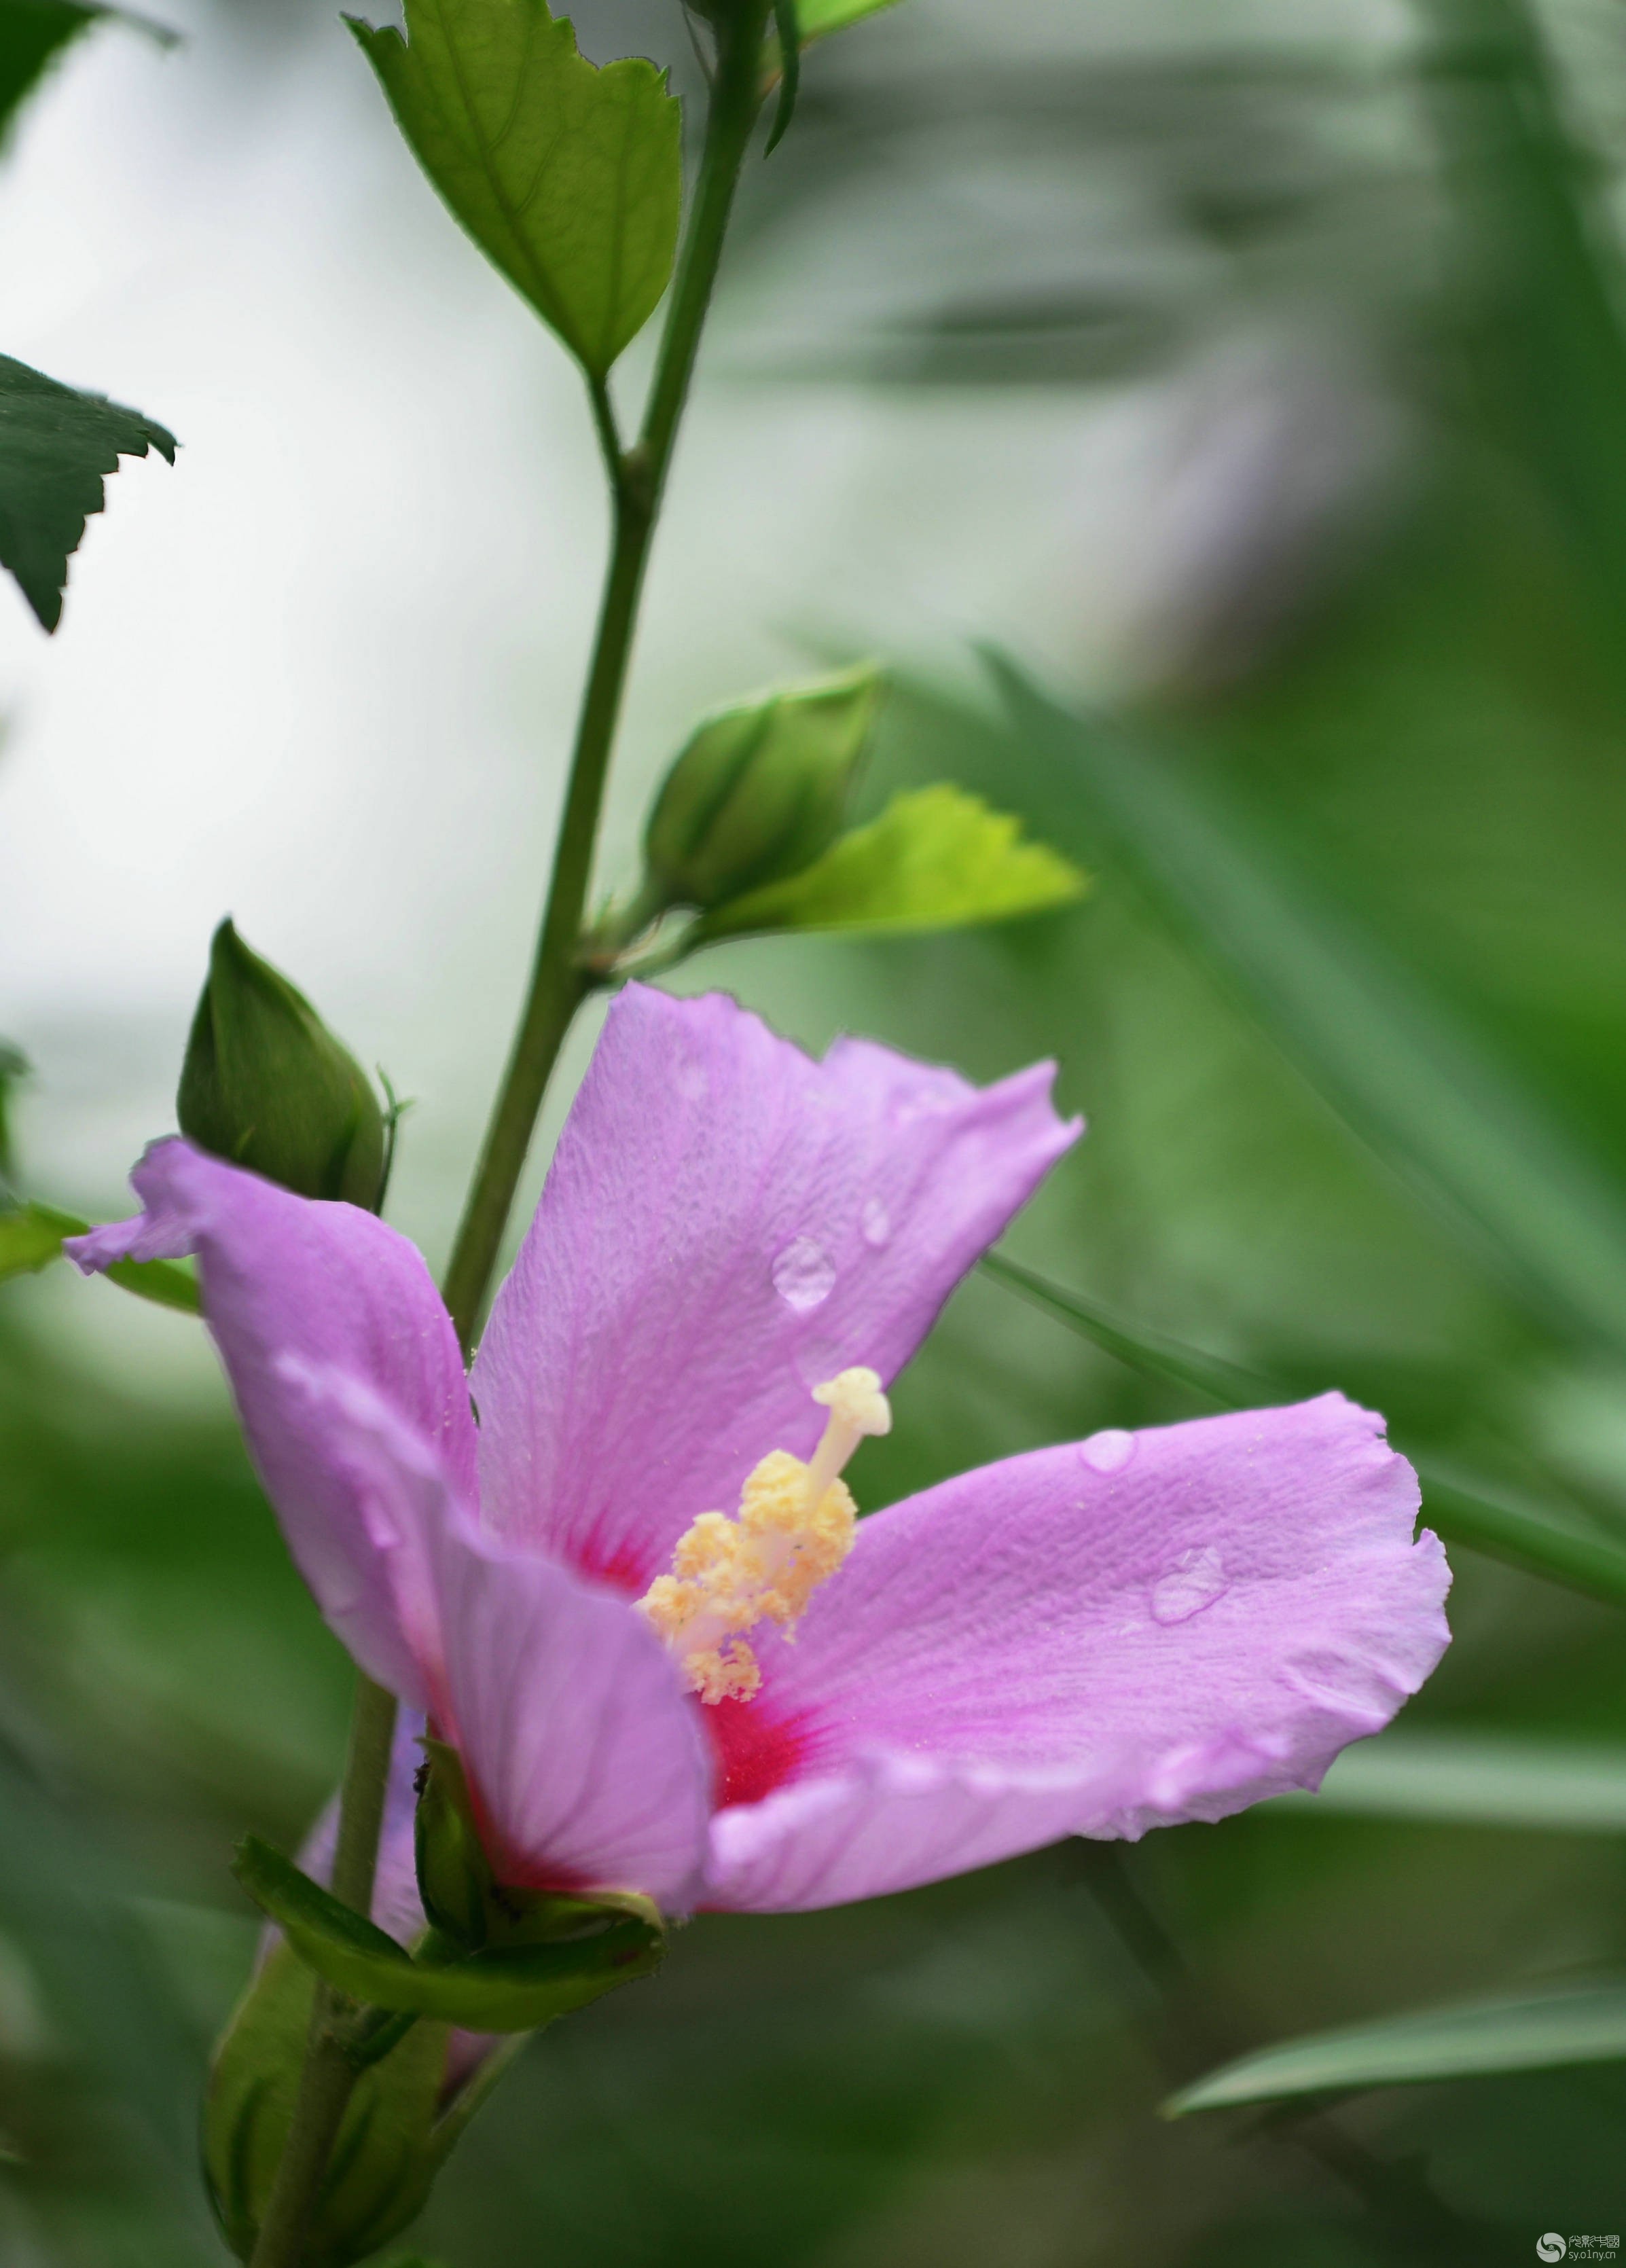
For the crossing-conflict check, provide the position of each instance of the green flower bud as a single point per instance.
(759, 792)
(395, 2133)
(265, 1083)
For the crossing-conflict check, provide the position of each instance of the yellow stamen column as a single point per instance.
(795, 1528)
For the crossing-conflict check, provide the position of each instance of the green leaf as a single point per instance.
(1428, 1095)
(56, 447)
(509, 1989)
(1533, 2031)
(816, 19)
(1476, 1779)
(569, 176)
(1540, 1544)
(937, 858)
(33, 32)
(32, 1237)
(389, 2148)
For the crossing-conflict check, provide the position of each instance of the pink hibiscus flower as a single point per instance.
(632, 1592)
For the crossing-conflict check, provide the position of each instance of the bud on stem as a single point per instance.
(760, 792)
(266, 1085)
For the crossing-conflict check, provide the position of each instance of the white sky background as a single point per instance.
(322, 673)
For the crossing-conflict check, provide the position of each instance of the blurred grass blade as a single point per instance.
(1477, 1779)
(1540, 1545)
(64, 1901)
(32, 1237)
(1422, 1089)
(1535, 2031)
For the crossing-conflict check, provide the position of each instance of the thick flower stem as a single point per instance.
(559, 982)
(327, 2076)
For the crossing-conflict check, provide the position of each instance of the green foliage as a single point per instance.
(569, 176)
(33, 33)
(1530, 2031)
(817, 18)
(759, 792)
(267, 1085)
(32, 1236)
(56, 448)
(937, 858)
(13, 1070)
(1423, 1087)
(388, 2152)
(1480, 1779)
(507, 1989)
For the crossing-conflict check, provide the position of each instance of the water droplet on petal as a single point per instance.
(1109, 1451)
(1195, 1582)
(803, 1276)
(874, 1223)
(691, 1082)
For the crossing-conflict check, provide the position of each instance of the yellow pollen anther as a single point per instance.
(794, 1529)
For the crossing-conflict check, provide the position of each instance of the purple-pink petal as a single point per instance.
(586, 1765)
(1084, 1641)
(286, 1279)
(726, 1224)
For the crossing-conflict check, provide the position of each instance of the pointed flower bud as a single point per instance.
(760, 792)
(266, 1085)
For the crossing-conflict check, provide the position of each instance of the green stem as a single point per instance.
(558, 985)
(327, 2076)
(559, 982)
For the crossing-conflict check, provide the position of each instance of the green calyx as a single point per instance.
(471, 1910)
(760, 792)
(266, 1085)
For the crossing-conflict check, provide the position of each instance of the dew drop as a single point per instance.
(1195, 1582)
(691, 1082)
(874, 1223)
(803, 1276)
(1109, 1451)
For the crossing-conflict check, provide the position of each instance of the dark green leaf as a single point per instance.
(1477, 1779)
(1435, 1101)
(56, 447)
(1540, 1545)
(937, 858)
(568, 176)
(514, 1990)
(1533, 2032)
(32, 1237)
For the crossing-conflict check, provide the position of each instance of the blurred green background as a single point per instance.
(1259, 376)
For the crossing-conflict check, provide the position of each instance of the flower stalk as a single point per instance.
(558, 985)
(559, 980)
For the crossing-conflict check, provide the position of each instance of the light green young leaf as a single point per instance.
(1540, 1544)
(32, 1237)
(1432, 1099)
(937, 858)
(568, 176)
(1532, 2031)
(56, 449)
(516, 1990)
(817, 18)
(1476, 1779)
